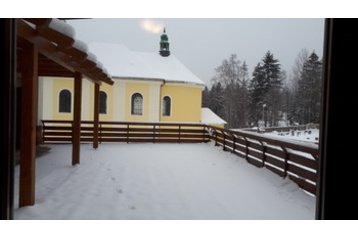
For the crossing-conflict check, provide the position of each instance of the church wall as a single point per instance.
(119, 100)
(108, 89)
(45, 98)
(185, 102)
(87, 96)
(136, 87)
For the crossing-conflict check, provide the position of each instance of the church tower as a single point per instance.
(164, 45)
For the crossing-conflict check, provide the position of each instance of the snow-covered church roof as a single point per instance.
(124, 63)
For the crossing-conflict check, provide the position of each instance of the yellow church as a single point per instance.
(148, 87)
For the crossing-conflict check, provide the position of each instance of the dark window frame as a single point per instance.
(166, 106)
(64, 101)
(137, 104)
(103, 102)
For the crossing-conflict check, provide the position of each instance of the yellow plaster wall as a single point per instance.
(185, 103)
(64, 83)
(108, 89)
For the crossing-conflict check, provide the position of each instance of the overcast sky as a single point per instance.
(202, 44)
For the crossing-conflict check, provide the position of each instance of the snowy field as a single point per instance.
(160, 181)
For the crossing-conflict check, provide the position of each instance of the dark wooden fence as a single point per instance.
(295, 160)
(61, 131)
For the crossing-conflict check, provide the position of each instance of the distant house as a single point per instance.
(148, 87)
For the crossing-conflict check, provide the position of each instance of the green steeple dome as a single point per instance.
(164, 45)
(164, 36)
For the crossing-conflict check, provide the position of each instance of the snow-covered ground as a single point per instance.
(160, 181)
(309, 135)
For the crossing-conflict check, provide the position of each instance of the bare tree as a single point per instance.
(233, 76)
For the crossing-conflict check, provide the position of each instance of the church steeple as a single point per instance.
(164, 45)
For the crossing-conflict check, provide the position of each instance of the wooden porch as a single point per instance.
(297, 161)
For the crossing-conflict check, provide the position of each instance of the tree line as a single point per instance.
(268, 97)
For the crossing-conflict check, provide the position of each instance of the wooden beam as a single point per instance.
(76, 137)
(56, 37)
(7, 107)
(48, 67)
(59, 48)
(29, 89)
(39, 21)
(95, 116)
(44, 46)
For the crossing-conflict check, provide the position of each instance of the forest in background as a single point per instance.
(267, 98)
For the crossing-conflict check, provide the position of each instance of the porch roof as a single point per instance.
(60, 53)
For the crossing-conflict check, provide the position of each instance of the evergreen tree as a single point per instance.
(265, 91)
(308, 95)
(206, 97)
(273, 83)
(294, 94)
(217, 99)
(257, 90)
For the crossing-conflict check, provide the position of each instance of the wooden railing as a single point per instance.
(296, 160)
(61, 131)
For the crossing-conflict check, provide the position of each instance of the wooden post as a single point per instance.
(216, 138)
(76, 126)
(154, 126)
(29, 80)
(263, 153)
(100, 133)
(246, 149)
(224, 139)
(7, 106)
(286, 162)
(96, 115)
(234, 143)
(127, 133)
(204, 133)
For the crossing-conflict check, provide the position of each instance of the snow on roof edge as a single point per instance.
(209, 117)
(156, 79)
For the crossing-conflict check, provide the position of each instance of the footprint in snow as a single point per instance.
(120, 191)
(132, 207)
(113, 179)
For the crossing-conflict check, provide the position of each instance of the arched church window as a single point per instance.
(137, 104)
(166, 106)
(102, 102)
(65, 101)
